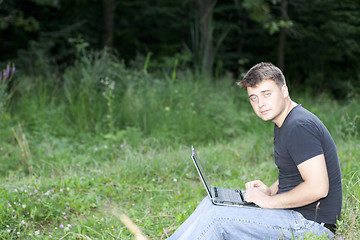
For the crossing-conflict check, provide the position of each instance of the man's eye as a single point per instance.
(267, 94)
(253, 99)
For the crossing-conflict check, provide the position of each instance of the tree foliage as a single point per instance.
(313, 41)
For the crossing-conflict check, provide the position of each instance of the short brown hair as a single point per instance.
(260, 72)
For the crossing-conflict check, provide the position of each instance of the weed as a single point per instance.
(5, 78)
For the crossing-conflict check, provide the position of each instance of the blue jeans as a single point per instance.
(213, 222)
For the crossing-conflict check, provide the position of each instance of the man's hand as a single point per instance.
(258, 185)
(257, 196)
(257, 192)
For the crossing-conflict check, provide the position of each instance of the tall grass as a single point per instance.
(79, 150)
(99, 95)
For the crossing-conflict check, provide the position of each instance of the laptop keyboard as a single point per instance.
(228, 194)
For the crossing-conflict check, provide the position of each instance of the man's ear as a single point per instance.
(285, 91)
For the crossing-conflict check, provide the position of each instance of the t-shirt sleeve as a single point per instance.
(304, 143)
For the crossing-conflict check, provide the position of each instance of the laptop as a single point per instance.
(220, 196)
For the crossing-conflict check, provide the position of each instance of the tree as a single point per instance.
(263, 12)
(206, 34)
(282, 35)
(108, 33)
(313, 41)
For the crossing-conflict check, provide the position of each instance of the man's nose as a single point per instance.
(260, 102)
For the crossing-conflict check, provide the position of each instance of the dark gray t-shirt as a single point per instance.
(301, 137)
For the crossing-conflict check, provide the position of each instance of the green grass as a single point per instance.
(75, 157)
(158, 190)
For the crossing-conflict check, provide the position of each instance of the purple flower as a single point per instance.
(6, 73)
(50, 236)
(122, 145)
(13, 69)
(9, 205)
(61, 226)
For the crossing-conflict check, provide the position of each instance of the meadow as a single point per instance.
(80, 148)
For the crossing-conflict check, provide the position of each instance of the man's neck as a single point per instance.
(288, 107)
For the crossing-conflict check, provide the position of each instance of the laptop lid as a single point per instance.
(201, 172)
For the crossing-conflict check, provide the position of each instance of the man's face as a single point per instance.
(268, 101)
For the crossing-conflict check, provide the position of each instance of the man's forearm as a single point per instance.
(301, 195)
(315, 186)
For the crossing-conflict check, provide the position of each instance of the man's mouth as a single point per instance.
(265, 111)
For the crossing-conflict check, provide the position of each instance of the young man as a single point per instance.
(307, 196)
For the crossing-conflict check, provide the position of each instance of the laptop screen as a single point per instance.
(200, 171)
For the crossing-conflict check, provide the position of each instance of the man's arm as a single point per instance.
(315, 186)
